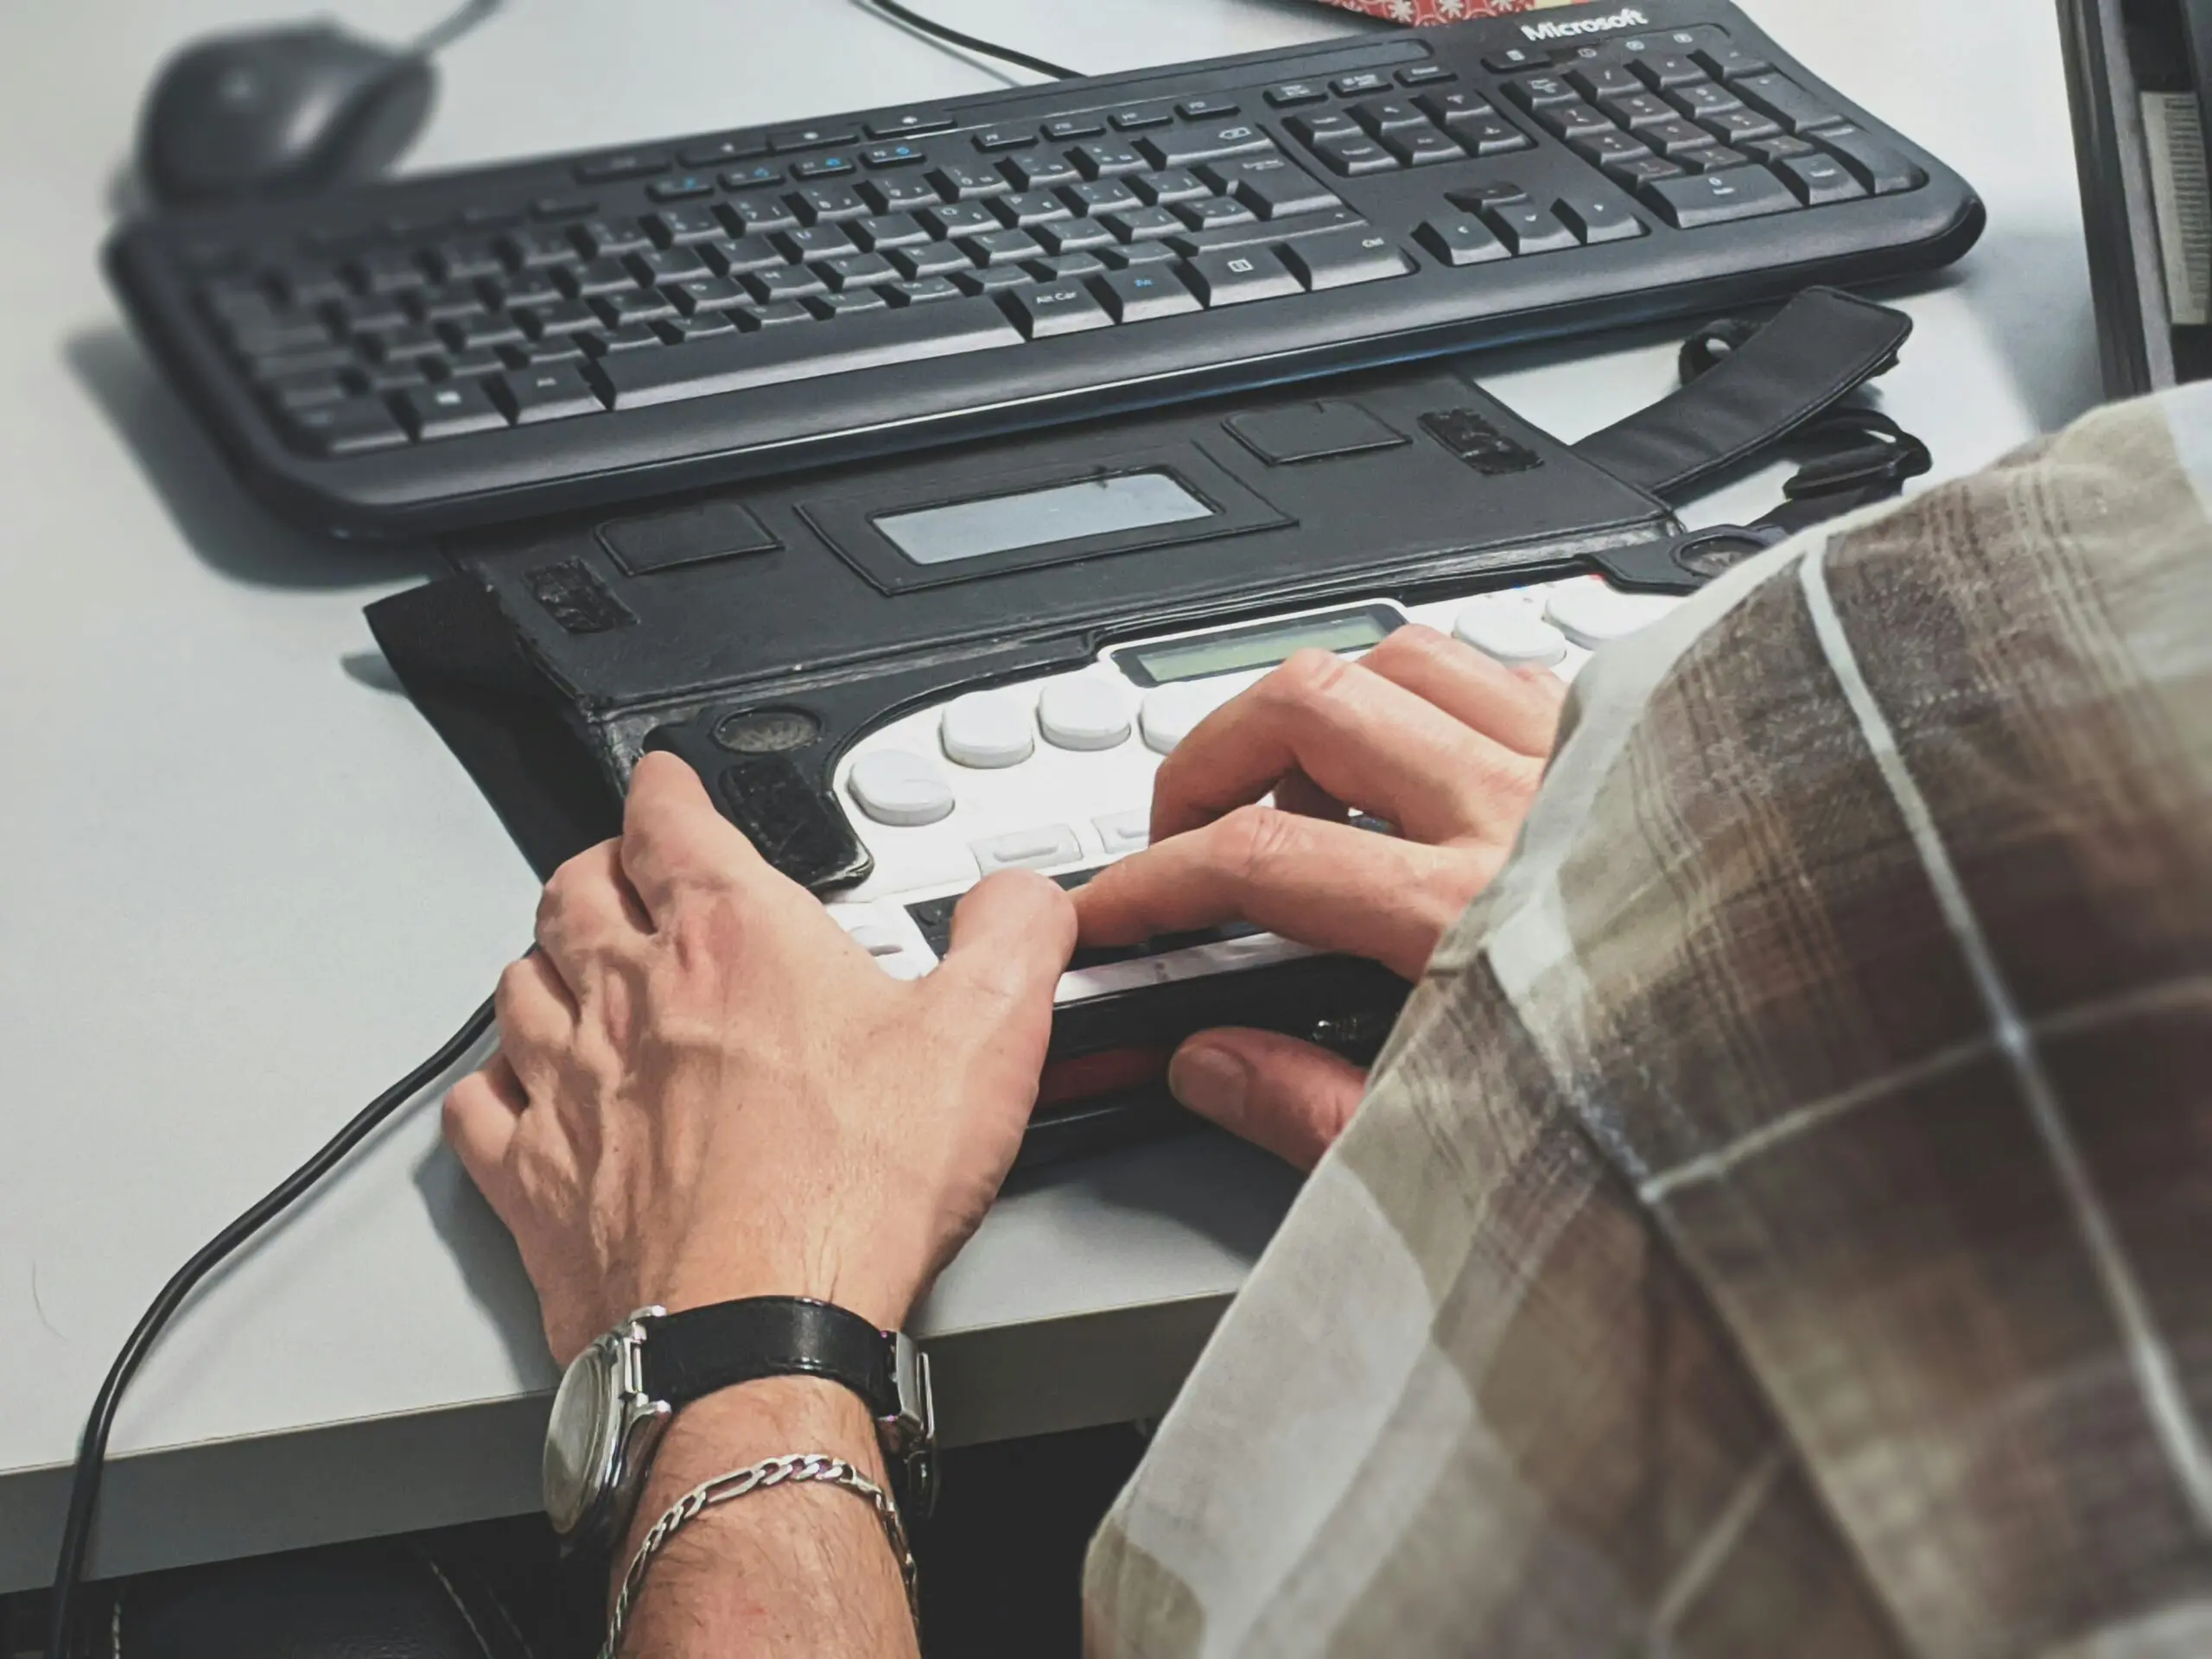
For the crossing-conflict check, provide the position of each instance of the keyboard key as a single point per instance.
(1573, 120)
(1641, 109)
(553, 209)
(1676, 138)
(615, 342)
(1075, 235)
(774, 314)
(1069, 128)
(706, 293)
(882, 232)
(995, 279)
(1187, 146)
(825, 167)
(639, 305)
(1360, 84)
(898, 196)
(1423, 148)
(450, 410)
(1514, 57)
(1233, 278)
(1139, 296)
(889, 156)
(399, 345)
(790, 282)
(828, 203)
(463, 261)
(682, 188)
(537, 249)
(553, 392)
(1599, 218)
(1211, 211)
(752, 175)
(817, 242)
(1492, 136)
(482, 333)
(1054, 308)
(1704, 101)
(1137, 255)
(446, 301)
(1002, 247)
(386, 271)
(1531, 229)
(895, 786)
(353, 428)
(1494, 192)
(1663, 71)
(1644, 169)
(1225, 237)
(1818, 180)
(1741, 127)
(1717, 159)
(820, 137)
(1731, 62)
(1383, 115)
(1142, 116)
(1041, 171)
(394, 377)
(1203, 109)
(1789, 103)
(848, 302)
(1462, 239)
(1879, 168)
(1598, 81)
(1339, 261)
(966, 181)
(1718, 197)
(1063, 266)
(1292, 93)
(961, 218)
(602, 238)
(306, 391)
(1028, 850)
(1138, 224)
(759, 215)
(928, 291)
(930, 259)
(910, 123)
(668, 265)
(1315, 131)
(1533, 92)
(1102, 160)
(1356, 157)
(1028, 207)
(772, 356)
(993, 140)
(266, 370)
(720, 152)
(1165, 187)
(629, 164)
(739, 255)
(1450, 110)
(1611, 147)
(567, 317)
(1100, 196)
(1780, 149)
(1424, 75)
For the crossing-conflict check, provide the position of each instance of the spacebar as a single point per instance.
(870, 340)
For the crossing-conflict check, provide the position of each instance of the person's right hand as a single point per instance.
(1424, 733)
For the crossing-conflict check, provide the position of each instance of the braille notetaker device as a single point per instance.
(900, 678)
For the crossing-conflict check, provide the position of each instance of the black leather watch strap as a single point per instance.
(704, 1350)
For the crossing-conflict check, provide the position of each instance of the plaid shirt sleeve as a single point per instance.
(1782, 1223)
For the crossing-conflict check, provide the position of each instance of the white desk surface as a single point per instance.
(242, 885)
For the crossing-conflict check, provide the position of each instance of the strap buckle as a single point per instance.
(908, 1436)
(1879, 463)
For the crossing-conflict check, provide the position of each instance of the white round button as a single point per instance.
(895, 787)
(1083, 714)
(1510, 631)
(1169, 713)
(987, 728)
(1590, 613)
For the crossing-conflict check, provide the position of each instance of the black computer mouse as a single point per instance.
(279, 114)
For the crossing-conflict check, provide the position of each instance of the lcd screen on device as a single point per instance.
(1240, 650)
(1066, 513)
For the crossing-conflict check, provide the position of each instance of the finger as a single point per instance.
(537, 1020)
(1012, 936)
(480, 1126)
(672, 837)
(589, 904)
(1300, 794)
(1283, 1096)
(1371, 744)
(1325, 884)
(1517, 708)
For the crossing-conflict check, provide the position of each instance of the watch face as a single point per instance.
(579, 1439)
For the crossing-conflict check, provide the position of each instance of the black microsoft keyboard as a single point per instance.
(477, 346)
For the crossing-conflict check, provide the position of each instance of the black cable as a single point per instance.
(966, 42)
(91, 1449)
(439, 36)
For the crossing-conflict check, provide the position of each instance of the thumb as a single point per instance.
(1012, 936)
(1283, 1096)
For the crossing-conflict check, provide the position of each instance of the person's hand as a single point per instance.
(1424, 733)
(705, 1090)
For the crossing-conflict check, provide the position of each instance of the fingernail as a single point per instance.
(1211, 1081)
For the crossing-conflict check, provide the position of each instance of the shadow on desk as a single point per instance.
(232, 534)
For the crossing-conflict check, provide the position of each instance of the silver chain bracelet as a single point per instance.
(817, 1466)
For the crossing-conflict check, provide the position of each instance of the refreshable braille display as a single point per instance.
(480, 347)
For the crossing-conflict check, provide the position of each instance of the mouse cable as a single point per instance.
(91, 1449)
(434, 38)
(951, 36)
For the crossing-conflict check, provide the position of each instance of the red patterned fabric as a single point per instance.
(1425, 12)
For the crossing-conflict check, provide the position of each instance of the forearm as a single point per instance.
(798, 1569)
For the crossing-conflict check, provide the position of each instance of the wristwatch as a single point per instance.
(617, 1397)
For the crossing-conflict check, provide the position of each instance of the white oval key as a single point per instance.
(1510, 631)
(1083, 713)
(1591, 615)
(1169, 713)
(895, 787)
(987, 730)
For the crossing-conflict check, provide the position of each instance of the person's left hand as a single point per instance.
(705, 1090)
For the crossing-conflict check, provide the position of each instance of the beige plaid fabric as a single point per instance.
(1782, 1223)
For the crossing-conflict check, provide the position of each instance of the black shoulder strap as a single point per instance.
(1747, 388)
